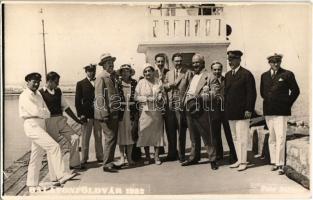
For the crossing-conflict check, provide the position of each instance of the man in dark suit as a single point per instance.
(198, 118)
(216, 85)
(279, 90)
(84, 103)
(240, 96)
(175, 84)
(106, 109)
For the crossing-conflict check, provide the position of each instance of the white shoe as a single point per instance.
(158, 162)
(242, 167)
(50, 184)
(67, 177)
(235, 165)
(32, 189)
(257, 156)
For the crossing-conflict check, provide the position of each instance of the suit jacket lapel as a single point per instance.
(222, 81)
(181, 75)
(202, 82)
(279, 71)
(88, 82)
(269, 75)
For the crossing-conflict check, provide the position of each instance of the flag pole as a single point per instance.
(44, 43)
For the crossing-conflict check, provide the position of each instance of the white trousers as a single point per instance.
(92, 124)
(277, 126)
(42, 142)
(240, 132)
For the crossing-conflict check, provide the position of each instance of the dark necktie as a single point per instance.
(233, 72)
(273, 74)
(176, 74)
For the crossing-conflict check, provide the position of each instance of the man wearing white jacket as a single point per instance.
(34, 111)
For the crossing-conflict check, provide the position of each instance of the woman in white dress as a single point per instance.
(128, 114)
(151, 127)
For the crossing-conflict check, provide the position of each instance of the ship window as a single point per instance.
(197, 27)
(177, 27)
(219, 27)
(187, 60)
(155, 24)
(207, 27)
(187, 27)
(167, 27)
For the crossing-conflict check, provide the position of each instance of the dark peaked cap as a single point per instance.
(235, 54)
(33, 76)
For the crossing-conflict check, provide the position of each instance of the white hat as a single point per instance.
(106, 56)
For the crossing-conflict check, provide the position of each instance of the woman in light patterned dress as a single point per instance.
(151, 126)
(128, 114)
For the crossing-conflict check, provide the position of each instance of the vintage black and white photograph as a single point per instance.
(159, 98)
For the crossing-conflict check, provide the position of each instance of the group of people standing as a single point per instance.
(135, 114)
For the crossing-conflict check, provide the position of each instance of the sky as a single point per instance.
(77, 34)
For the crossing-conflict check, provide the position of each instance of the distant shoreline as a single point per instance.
(18, 93)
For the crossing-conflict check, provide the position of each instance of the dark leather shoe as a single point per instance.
(281, 170)
(79, 167)
(109, 169)
(214, 165)
(100, 161)
(189, 162)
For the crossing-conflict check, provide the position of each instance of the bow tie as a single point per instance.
(92, 79)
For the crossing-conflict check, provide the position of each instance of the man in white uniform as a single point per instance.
(34, 111)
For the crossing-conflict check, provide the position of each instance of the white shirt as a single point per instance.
(273, 72)
(236, 70)
(64, 104)
(177, 72)
(194, 83)
(219, 79)
(32, 105)
(92, 81)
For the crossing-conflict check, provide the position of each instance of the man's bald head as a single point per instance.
(198, 62)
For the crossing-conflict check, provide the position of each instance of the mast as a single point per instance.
(44, 43)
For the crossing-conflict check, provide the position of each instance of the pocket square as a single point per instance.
(280, 79)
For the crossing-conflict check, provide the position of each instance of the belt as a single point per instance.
(32, 117)
(56, 115)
